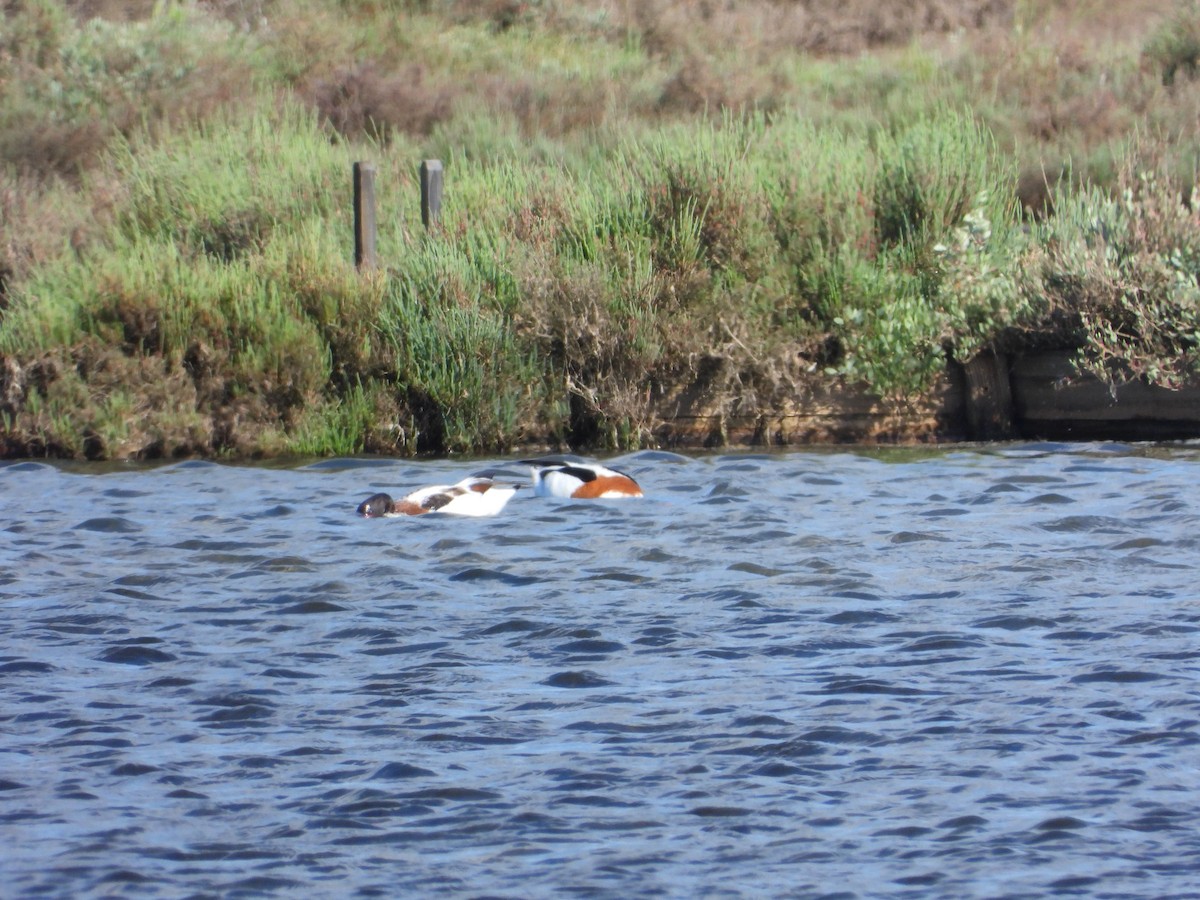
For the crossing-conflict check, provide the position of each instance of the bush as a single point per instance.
(1125, 271)
(1174, 47)
(76, 87)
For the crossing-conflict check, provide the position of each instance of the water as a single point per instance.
(956, 673)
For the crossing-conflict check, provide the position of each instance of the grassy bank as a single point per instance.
(749, 197)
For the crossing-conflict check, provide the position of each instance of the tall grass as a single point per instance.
(637, 196)
(467, 381)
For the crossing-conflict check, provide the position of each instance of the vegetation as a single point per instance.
(745, 197)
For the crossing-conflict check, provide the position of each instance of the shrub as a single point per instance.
(220, 188)
(1174, 47)
(929, 175)
(818, 208)
(76, 87)
(361, 100)
(1125, 271)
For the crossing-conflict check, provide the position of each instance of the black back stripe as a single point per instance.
(437, 501)
(584, 475)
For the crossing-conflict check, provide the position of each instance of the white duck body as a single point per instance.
(477, 495)
(567, 478)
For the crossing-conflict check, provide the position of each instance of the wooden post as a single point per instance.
(431, 192)
(364, 215)
(989, 398)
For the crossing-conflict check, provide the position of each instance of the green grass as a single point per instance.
(633, 196)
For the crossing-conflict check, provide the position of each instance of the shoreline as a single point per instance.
(993, 398)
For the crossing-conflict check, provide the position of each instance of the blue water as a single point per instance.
(971, 672)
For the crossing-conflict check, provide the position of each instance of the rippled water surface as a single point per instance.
(957, 673)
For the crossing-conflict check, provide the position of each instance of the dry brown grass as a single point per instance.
(114, 10)
(760, 27)
(366, 99)
(1055, 80)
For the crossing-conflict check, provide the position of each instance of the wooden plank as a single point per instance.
(709, 412)
(989, 402)
(1052, 400)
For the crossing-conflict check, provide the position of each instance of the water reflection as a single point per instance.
(967, 672)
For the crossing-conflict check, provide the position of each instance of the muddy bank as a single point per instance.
(995, 397)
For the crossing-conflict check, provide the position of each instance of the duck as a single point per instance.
(559, 476)
(476, 495)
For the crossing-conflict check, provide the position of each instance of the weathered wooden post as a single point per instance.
(989, 400)
(364, 215)
(431, 192)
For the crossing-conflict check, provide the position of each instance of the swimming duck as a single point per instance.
(477, 495)
(557, 476)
